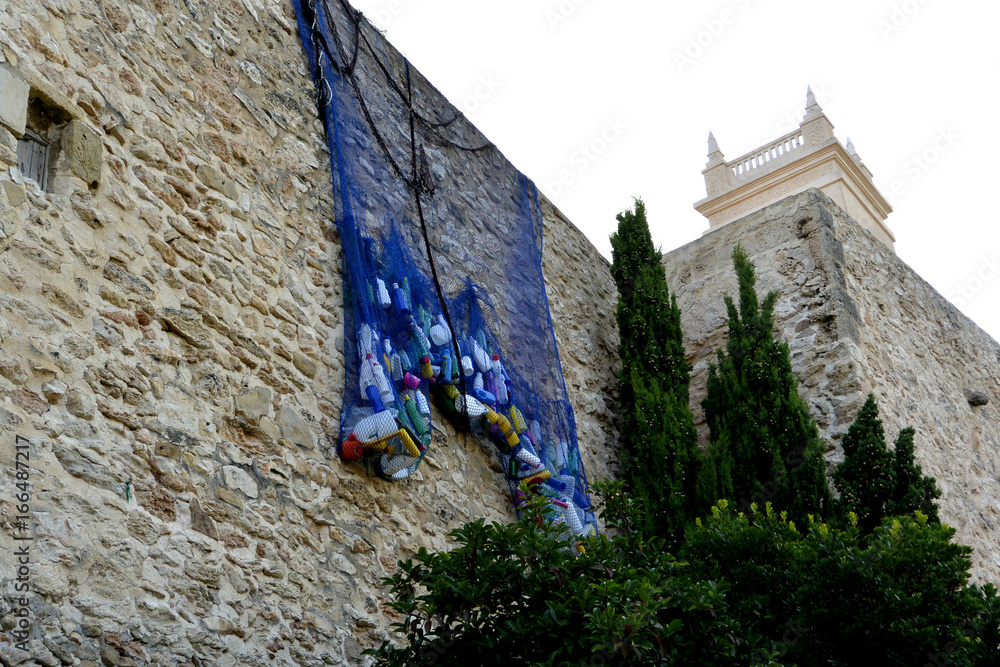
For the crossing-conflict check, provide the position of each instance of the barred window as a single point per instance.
(33, 158)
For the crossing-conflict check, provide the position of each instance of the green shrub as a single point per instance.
(830, 599)
(522, 595)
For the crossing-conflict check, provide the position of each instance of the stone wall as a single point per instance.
(171, 342)
(859, 320)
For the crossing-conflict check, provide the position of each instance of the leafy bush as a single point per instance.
(830, 599)
(519, 594)
(748, 589)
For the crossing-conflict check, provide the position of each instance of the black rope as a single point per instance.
(379, 138)
(427, 242)
(399, 91)
(429, 124)
(319, 37)
(355, 18)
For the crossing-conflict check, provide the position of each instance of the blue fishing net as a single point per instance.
(444, 297)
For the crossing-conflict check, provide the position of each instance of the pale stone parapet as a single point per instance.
(808, 157)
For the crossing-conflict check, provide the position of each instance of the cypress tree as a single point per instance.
(765, 445)
(659, 442)
(913, 490)
(866, 479)
(875, 482)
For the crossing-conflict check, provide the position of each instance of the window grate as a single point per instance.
(33, 159)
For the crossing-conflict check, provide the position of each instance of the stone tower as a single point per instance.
(856, 318)
(809, 157)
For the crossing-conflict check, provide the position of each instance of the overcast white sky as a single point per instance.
(641, 82)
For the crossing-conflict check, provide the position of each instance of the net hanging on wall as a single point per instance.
(444, 297)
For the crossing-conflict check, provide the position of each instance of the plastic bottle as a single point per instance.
(426, 371)
(467, 368)
(396, 367)
(446, 368)
(406, 291)
(404, 420)
(477, 382)
(535, 433)
(501, 422)
(411, 381)
(402, 307)
(481, 358)
(384, 299)
(377, 427)
(498, 373)
(392, 465)
(572, 516)
(366, 380)
(517, 420)
(422, 404)
(419, 339)
(559, 456)
(404, 361)
(483, 396)
(413, 412)
(526, 456)
(440, 333)
(365, 335)
(408, 444)
(475, 408)
(420, 315)
(572, 460)
(381, 381)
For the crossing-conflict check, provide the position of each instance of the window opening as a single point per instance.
(33, 158)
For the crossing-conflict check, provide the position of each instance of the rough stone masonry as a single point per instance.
(171, 343)
(858, 320)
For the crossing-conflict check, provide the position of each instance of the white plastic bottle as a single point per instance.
(379, 426)
(480, 357)
(440, 333)
(382, 382)
(499, 377)
(384, 299)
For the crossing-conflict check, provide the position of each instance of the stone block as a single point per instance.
(8, 147)
(214, 179)
(305, 365)
(15, 193)
(293, 427)
(201, 521)
(237, 478)
(13, 101)
(253, 404)
(84, 152)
